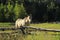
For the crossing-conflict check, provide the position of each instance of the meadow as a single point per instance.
(47, 25)
(35, 35)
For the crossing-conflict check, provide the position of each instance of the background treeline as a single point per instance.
(41, 10)
(10, 10)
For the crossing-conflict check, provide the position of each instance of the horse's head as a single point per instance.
(27, 20)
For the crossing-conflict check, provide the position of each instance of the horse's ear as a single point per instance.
(30, 16)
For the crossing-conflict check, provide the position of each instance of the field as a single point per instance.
(40, 25)
(47, 25)
(35, 35)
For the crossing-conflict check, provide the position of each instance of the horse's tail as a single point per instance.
(16, 23)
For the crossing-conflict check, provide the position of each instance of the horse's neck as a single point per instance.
(25, 19)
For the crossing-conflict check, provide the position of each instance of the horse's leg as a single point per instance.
(15, 25)
(22, 29)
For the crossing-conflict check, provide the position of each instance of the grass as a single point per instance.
(41, 25)
(6, 24)
(35, 35)
(47, 25)
(43, 36)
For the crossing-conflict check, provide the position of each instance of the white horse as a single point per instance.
(22, 22)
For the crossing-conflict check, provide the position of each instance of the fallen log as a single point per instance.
(44, 29)
(30, 27)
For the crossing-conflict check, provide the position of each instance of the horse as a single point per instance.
(22, 22)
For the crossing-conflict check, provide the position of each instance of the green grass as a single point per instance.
(44, 35)
(41, 25)
(35, 35)
(6, 24)
(47, 25)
